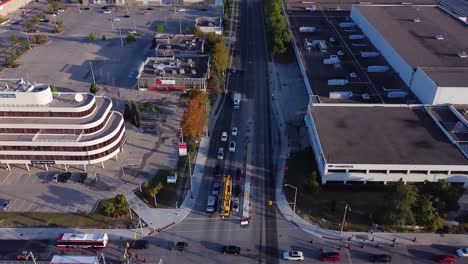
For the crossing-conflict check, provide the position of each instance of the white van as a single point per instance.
(211, 206)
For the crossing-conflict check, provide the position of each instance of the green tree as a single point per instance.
(219, 56)
(189, 30)
(159, 28)
(36, 20)
(10, 61)
(94, 88)
(103, 37)
(197, 31)
(109, 209)
(39, 39)
(215, 82)
(212, 38)
(14, 40)
(121, 205)
(131, 37)
(30, 26)
(54, 6)
(276, 27)
(154, 108)
(400, 201)
(53, 89)
(153, 192)
(92, 36)
(427, 215)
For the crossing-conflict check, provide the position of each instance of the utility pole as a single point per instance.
(92, 72)
(180, 25)
(120, 33)
(344, 217)
(190, 174)
(295, 196)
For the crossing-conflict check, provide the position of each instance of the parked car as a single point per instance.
(330, 256)
(235, 205)
(132, 32)
(232, 146)
(237, 190)
(215, 189)
(445, 259)
(462, 252)
(235, 250)
(181, 246)
(139, 244)
(293, 255)
(116, 19)
(107, 11)
(44, 20)
(149, 8)
(5, 205)
(181, 10)
(204, 9)
(217, 171)
(64, 176)
(220, 154)
(234, 131)
(83, 177)
(224, 136)
(381, 258)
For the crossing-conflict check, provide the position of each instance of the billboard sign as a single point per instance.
(165, 82)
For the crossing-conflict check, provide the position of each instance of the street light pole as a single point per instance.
(92, 72)
(344, 217)
(295, 196)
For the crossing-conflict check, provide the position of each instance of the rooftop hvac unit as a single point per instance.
(341, 95)
(416, 19)
(462, 54)
(439, 37)
(337, 82)
(189, 60)
(193, 71)
(397, 94)
(159, 67)
(346, 24)
(307, 29)
(369, 54)
(377, 68)
(357, 36)
(181, 71)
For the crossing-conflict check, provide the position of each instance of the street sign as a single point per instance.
(182, 149)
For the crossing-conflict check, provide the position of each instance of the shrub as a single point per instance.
(92, 36)
(131, 37)
(53, 88)
(94, 88)
(39, 39)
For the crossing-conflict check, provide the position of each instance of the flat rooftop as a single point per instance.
(208, 21)
(178, 44)
(416, 41)
(329, 5)
(382, 135)
(195, 66)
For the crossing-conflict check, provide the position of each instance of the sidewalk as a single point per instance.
(362, 237)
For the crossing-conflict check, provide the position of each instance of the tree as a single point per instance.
(194, 117)
(276, 27)
(39, 39)
(121, 205)
(400, 201)
(14, 40)
(220, 56)
(197, 31)
(427, 215)
(92, 36)
(30, 26)
(54, 6)
(153, 192)
(215, 82)
(109, 209)
(59, 27)
(212, 38)
(93, 88)
(131, 37)
(53, 89)
(103, 37)
(159, 28)
(10, 61)
(154, 108)
(189, 30)
(36, 20)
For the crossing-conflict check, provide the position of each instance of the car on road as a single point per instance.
(149, 8)
(238, 174)
(224, 136)
(237, 190)
(107, 11)
(139, 244)
(462, 252)
(115, 19)
(5, 205)
(293, 255)
(217, 171)
(382, 258)
(15, 23)
(83, 177)
(232, 146)
(181, 10)
(234, 131)
(445, 259)
(220, 154)
(181, 246)
(44, 20)
(204, 9)
(211, 204)
(215, 189)
(132, 32)
(330, 256)
(235, 205)
(235, 250)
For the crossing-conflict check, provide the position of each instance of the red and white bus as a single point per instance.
(82, 240)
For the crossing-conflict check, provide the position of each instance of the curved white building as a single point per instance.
(41, 127)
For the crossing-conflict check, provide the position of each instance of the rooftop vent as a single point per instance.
(439, 37)
(189, 60)
(462, 54)
(182, 71)
(416, 19)
(193, 71)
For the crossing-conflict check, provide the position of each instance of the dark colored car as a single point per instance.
(83, 177)
(445, 259)
(330, 256)
(64, 176)
(139, 244)
(217, 171)
(181, 246)
(231, 250)
(149, 8)
(237, 190)
(204, 9)
(381, 258)
(238, 174)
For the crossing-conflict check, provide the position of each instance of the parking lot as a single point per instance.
(361, 72)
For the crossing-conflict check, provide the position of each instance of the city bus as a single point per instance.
(82, 240)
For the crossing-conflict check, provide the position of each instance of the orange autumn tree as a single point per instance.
(194, 117)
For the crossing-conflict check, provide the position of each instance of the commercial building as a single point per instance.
(384, 143)
(210, 25)
(10, 6)
(427, 47)
(177, 73)
(41, 127)
(168, 45)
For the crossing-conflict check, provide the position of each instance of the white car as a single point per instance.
(55, 177)
(232, 146)
(115, 19)
(220, 153)
(107, 11)
(293, 255)
(132, 32)
(235, 205)
(462, 252)
(224, 136)
(234, 131)
(181, 10)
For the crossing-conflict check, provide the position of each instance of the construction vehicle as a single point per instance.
(225, 197)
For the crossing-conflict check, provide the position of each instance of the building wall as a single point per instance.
(10, 6)
(394, 59)
(315, 142)
(423, 87)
